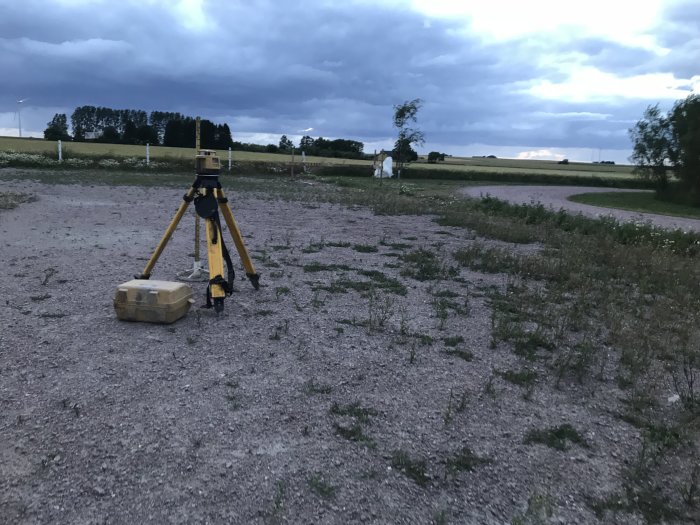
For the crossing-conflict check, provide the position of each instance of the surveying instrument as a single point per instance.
(209, 200)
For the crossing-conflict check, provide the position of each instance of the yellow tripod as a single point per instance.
(209, 200)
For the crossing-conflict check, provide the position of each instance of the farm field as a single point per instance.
(411, 357)
(157, 152)
(452, 164)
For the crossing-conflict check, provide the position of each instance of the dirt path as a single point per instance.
(313, 400)
(556, 197)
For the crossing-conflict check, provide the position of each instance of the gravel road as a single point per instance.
(556, 197)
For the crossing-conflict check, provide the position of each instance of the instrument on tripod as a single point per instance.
(209, 202)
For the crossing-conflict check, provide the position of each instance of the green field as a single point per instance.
(26, 145)
(530, 166)
(641, 201)
(453, 165)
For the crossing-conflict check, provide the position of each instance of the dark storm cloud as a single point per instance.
(278, 68)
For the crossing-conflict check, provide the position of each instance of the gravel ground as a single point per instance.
(249, 417)
(556, 197)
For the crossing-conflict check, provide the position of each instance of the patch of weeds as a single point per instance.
(313, 247)
(396, 245)
(412, 468)
(355, 433)
(523, 378)
(577, 359)
(353, 322)
(338, 244)
(281, 290)
(612, 502)
(447, 416)
(319, 267)
(556, 437)
(231, 395)
(265, 259)
(56, 315)
(280, 329)
(462, 354)
(489, 388)
(340, 286)
(527, 344)
(464, 460)
(380, 309)
(10, 200)
(365, 248)
(383, 282)
(278, 501)
(690, 491)
(441, 312)
(316, 300)
(479, 258)
(446, 294)
(320, 486)
(423, 339)
(360, 416)
(354, 410)
(423, 265)
(440, 517)
(311, 387)
(453, 341)
(540, 508)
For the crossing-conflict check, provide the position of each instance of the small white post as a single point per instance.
(148, 154)
(60, 151)
(229, 158)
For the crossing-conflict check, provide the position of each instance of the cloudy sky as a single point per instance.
(536, 78)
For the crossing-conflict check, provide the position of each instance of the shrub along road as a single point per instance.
(556, 197)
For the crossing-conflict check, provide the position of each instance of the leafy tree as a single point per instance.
(110, 135)
(146, 134)
(652, 138)
(670, 143)
(57, 129)
(685, 143)
(306, 143)
(404, 116)
(402, 149)
(129, 134)
(285, 143)
(435, 156)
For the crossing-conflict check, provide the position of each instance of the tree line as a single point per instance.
(320, 147)
(666, 149)
(129, 126)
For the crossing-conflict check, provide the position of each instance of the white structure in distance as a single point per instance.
(386, 170)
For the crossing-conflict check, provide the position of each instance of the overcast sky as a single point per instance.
(536, 78)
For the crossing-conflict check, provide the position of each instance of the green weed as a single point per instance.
(556, 437)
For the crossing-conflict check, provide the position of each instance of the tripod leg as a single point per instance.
(216, 263)
(238, 240)
(168, 233)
